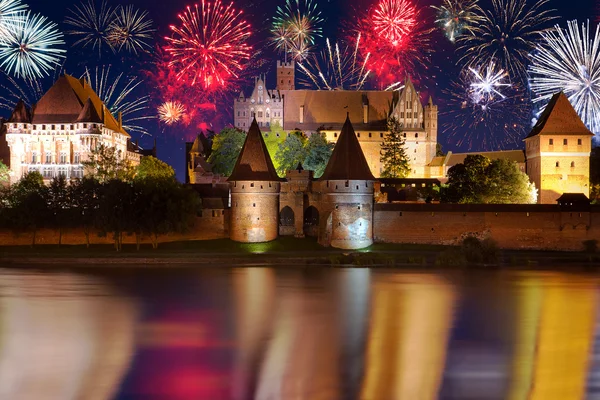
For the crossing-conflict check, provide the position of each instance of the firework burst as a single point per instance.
(487, 112)
(118, 92)
(457, 16)
(171, 112)
(10, 14)
(403, 51)
(210, 46)
(30, 48)
(508, 32)
(295, 27)
(131, 29)
(91, 24)
(569, 61)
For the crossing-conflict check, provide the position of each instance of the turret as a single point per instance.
(347, 201)
(286, 75)
(255, 189)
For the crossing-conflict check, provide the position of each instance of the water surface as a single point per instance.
(262, 333)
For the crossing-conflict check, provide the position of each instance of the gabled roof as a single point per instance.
(347, 161)
(20, 114)
(88, 113)
(560, 118)
(254, 162)
(65, 100)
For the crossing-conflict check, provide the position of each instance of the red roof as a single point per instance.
(559, 118)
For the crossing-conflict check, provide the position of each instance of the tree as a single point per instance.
(4, 174)
(59, 204)
(85, 201)
(393, 152)
(318, 152)
(152, 167)
(226, 149)
(107, 163)
(27, 208)
(115, 214)
(290, 153)
(481, 181)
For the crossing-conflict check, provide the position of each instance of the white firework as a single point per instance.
(10, 13)
(487, 83)
(568, 60)
(30, 48)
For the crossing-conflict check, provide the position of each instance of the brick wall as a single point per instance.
(544, 227)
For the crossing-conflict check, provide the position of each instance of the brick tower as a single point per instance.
(558, 152)
(347, 195)
(255, 190)
(285, 75)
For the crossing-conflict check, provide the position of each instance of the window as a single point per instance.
(335, 134)
(48, 157)
(62, 127)
(416, 135)
(572, 164)
(260, 114)
(565, 142)
(557, 164)
(551, 142)
(370, 135)
(578, 142)
(53, 127)
(402, 114)
(78, 173)
(71, 127)
(358, 134)
(381, 135)
(84, 126)
(34, 158)
(47, 172)
(63, 158)
(415, 114)
(76, 158)
(43, 127)
(62, 171)
(238, 113)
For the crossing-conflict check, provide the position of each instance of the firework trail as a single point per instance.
(401, 52)
(91, 25)
(455, 17)
(131, 29)
(210, 46)
(568, 60)
(30, 48)
(171, 112)
(337, 67)
(15, 89)
(486, 111)
(295, 27)
(118, 93)
(508, 33)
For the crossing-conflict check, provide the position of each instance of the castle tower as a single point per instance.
(197, 166)
(347, 202)
(430, 123)
(558, 152)
(285, 75)
(255, 190)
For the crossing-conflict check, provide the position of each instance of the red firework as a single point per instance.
(393, 40)
(210, 45)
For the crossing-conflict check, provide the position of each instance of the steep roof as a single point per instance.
(254, 162)
(327, 107)
(347, 161)
(65, 100)
(88, 113)
(20, 114)
(559, 117)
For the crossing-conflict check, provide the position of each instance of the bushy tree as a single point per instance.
(291, 153)
(393, 152)
(4, 174)
(226, 148)
(115, 213)
(59, 205)
(85, 200)
(107, 163)
(152, 167)
(482, 181)
(27, 207)
(318, 152)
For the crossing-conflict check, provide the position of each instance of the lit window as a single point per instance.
(63, 158)
(34, 158)
(48, 158)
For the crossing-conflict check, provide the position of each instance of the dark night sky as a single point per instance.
(336, 13)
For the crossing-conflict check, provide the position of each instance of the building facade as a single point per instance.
(57, 135)
(263, 104)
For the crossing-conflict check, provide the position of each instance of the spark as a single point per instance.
(131, 29)
(30, 48)
(456, 17)
(118, 93)
(210, 46)
(295, 28)
(568, 60)
(91, 25)
(508, 32)
(171, 112)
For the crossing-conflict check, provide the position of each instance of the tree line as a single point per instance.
(113, 199)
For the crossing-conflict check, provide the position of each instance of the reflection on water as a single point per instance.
(260, 333)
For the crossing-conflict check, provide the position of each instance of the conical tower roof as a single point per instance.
(347, 161)
(559, 118)
(20, 113)
(254, 162)
(88, 113)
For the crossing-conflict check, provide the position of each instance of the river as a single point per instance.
(294, 333)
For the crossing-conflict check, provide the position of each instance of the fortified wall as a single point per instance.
(533, 227)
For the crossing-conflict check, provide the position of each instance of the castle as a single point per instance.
(57, 135)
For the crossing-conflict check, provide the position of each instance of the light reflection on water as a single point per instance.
(261, 333)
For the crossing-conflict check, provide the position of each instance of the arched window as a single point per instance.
(286, 217)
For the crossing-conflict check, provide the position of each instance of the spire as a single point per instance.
(88, 113)
(347, 161)
(20, 114)
(559, 117)
(254, 162)
(430, 102)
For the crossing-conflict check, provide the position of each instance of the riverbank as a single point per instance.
(283, 251)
